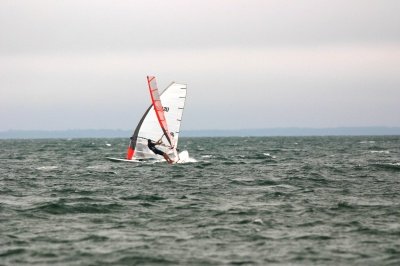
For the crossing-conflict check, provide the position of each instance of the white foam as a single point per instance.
(191, 160)
(269, 155)
(99, 167)
(46, 168)
(188, 160)
(380, 152)
(367, 141)
(258, 221)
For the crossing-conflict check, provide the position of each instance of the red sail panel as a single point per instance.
(130, 153)
(155, 98)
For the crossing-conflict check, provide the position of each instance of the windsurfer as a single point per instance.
(152, 147)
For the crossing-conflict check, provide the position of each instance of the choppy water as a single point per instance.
(246, 201)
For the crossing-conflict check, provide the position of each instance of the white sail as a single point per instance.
(173, 102)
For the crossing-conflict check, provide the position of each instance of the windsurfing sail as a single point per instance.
(162, 120)
(159, 109)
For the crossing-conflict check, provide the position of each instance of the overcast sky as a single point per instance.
(248, 64)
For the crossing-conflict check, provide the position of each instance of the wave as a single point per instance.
(95, 238)
(47, 168)
(343, 205)
(223, 232)
(380, 151)
(387, 166)
(140, 259)
(269, 155)
(60, 208)
(189, 160)
(363, 203)
(12, 252)
(257, 182)
(143, 197)
(313, 237)
(367, 142)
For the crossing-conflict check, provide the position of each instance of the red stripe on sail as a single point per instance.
(155, 98)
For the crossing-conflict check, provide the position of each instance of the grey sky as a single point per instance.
(248, 64)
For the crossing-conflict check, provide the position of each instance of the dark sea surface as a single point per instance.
(246, 201)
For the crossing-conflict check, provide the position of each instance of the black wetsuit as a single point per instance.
(152, 147)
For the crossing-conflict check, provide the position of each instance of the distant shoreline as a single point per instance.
(267, 132)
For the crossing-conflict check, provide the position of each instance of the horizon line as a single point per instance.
(255, 132)
(203, 129)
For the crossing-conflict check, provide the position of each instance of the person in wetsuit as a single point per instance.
(152, 147)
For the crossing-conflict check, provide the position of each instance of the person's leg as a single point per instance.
(166, 157)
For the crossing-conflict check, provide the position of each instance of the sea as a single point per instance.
(239, 201)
